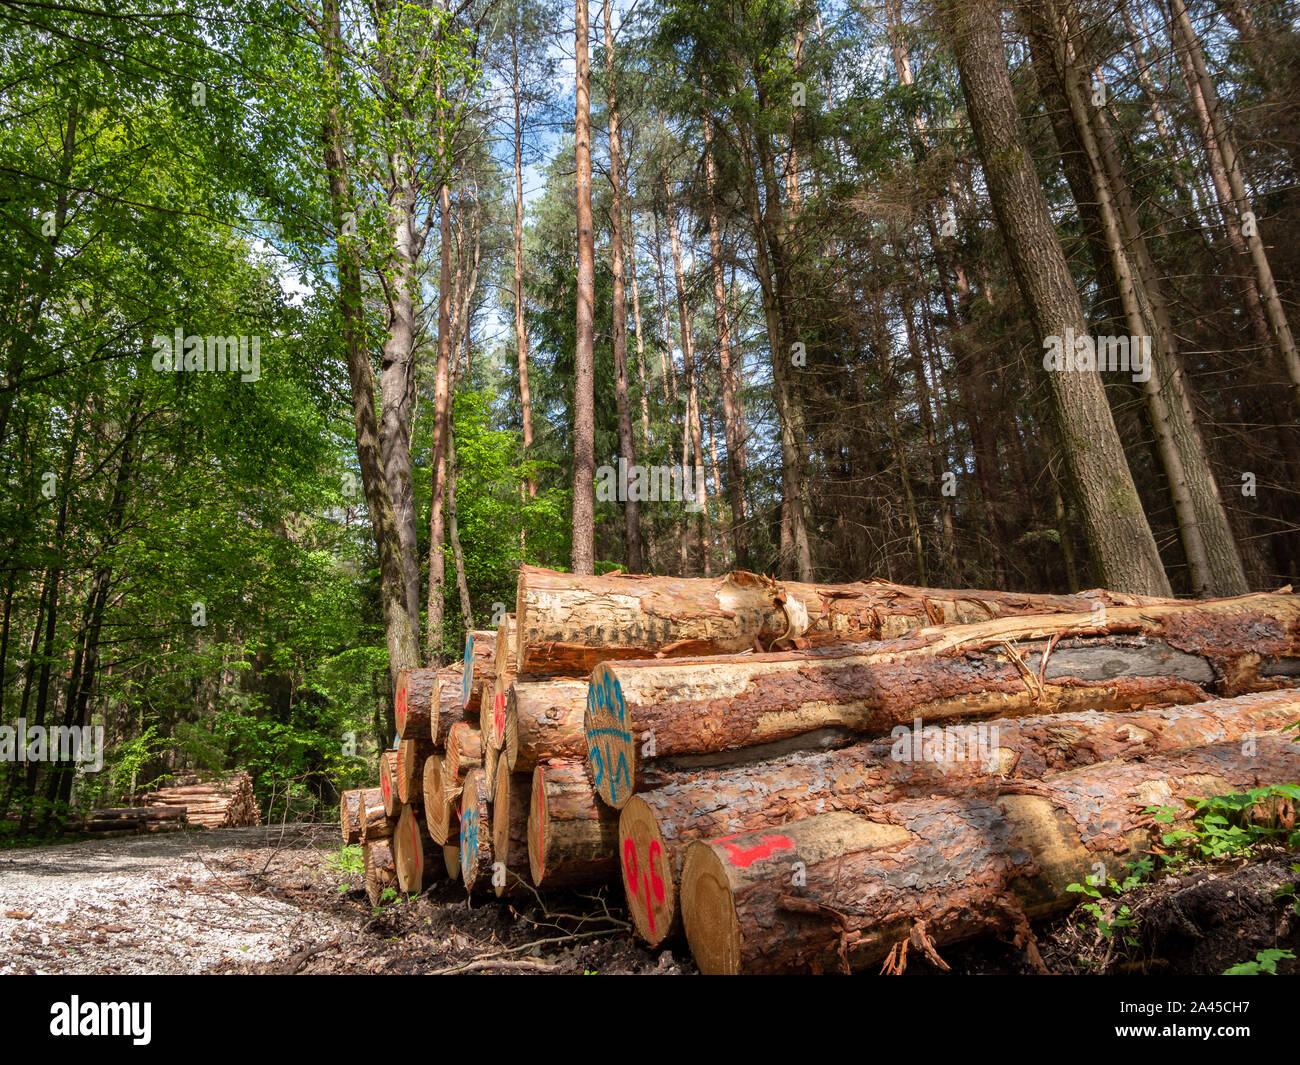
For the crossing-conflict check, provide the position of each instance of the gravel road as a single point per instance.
(174, 902)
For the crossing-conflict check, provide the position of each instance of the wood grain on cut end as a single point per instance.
(380, 871)
(475, 833)
(709, 912)
(510, 809)
(388, 783)
(647, 873)
(611, 750)
(439, 814)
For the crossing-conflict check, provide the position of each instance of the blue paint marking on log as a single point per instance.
(467, 669)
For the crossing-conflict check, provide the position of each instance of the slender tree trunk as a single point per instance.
(1111, 512)
(731, 405)
(640, 337)
(521, 327)
(692, 422)
(1234, 201)
(584, 423)
(631, 507)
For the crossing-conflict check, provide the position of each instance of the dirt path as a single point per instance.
(175, 902)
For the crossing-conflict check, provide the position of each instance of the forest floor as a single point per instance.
(279, 900)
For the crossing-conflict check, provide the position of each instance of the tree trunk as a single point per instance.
(1110, 510)
(398, 633)
(731, 404)
(627, 448)
(544, 722)
(584, 425)
(521, 327)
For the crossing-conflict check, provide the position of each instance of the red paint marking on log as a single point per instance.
(401, 707)
(744, 857)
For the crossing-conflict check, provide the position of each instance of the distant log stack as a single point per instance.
(126, 821)
(693, 737)
(227, 803)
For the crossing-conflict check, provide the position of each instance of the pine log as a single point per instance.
(510, 806)
(373, 816)
(839, 891)
(656, 827)
(380, 872)
(440, 801)
(478, 668)
(567, 624)
(1133, 657)
(572, 836)
(493, 718)
(388, 783)
(416, 701)
(411, 754)
(882, 610)
(451, 861)
(349, 816)
(449, 713)
(544, 721)
(414, 853)
(491, 766)
(464, 751)
(475, 834)
(504, 658)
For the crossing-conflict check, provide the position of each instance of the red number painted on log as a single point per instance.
(744, 857)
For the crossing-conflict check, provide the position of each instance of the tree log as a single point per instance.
(451, 860)
(1120, 658)
(388, 783)
(440, 802)
(380, 872)
(373, 817)
(568, 624)
(475, 834)
(510, 806)
(572, 836)
(414, 853)
(464, 752)
(411, 755)
(449, 713)
(840, 890)
(656, 827)
(543, 721)
(349, 816)
(416, 701)
(478, 667)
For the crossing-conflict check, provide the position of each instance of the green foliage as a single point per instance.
(347, 860)
(1226, 825)
(1265, 963)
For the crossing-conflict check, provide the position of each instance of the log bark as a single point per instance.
(373, 821)
(510, 806)
(349, 816)
(440, 802)
(572, 837)
(840, 890)
(543, 721)
(656, 827)
(414, 852)
(416, 701)
(476, 833)
(380, 872)
(464, 752)
(451, 711)
(567, 625)
(388, 783)
(1122, 658)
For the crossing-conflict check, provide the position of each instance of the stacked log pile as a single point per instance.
(126, 821)
(811, 778)
(228, 803)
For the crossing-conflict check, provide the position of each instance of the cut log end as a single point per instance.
(647, 879)
(611, 751)
(439, 815)
(710, 912)
(475, 833)
(388, 783)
